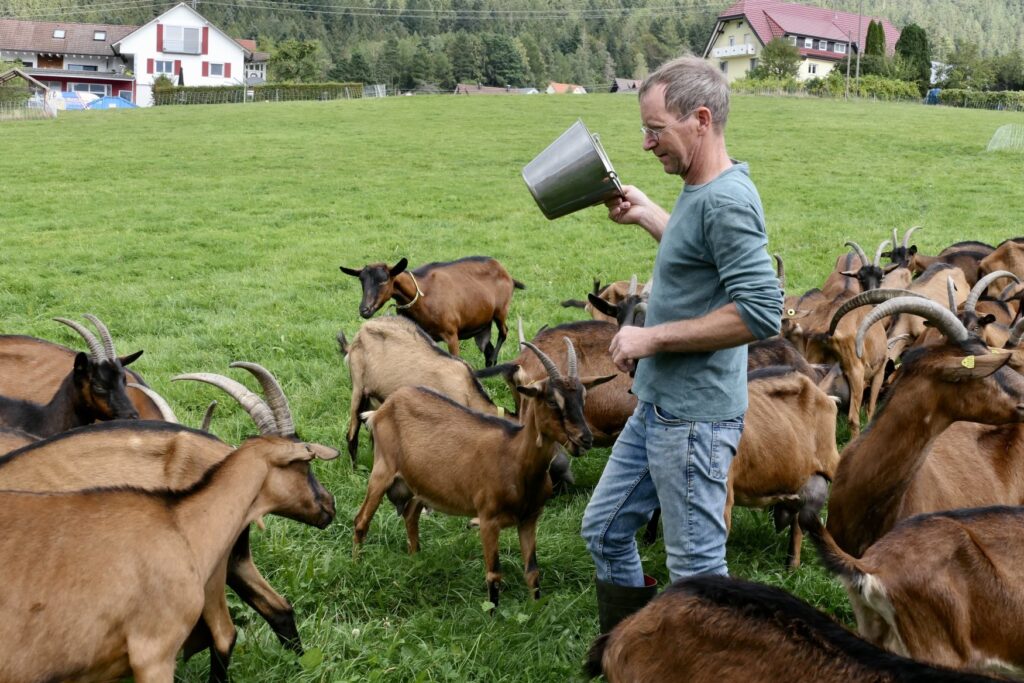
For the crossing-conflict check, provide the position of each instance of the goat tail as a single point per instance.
(593, 668)
(504, 369)
(835, 559)
(517, 284)
(343, 346)
(367, 417)
(574, 303)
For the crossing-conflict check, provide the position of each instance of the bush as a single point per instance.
(756, 85)
(1005, 99)
(266, 92)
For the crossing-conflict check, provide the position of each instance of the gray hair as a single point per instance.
(692, 82)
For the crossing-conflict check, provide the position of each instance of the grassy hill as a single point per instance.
(211, 234)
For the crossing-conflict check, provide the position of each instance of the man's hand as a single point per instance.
(629, 345)
(635, 208)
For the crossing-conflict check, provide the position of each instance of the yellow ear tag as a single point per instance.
(501, 412)
(791, 312)
(968, 362)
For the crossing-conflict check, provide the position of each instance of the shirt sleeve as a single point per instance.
(738, 241)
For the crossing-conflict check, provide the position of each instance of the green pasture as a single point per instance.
(205, 235)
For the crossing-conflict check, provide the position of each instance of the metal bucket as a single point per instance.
(571, 174)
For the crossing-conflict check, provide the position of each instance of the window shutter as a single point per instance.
(206, 40)
(206, 69)
(177, 67)
(227, 70)
(159, 37)
(149, 66)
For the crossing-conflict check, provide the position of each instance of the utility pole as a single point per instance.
(850, 38)
(860, 18)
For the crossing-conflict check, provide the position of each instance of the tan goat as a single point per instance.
(462, 462)
(715, 629)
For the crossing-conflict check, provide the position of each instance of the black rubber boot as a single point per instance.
(615, 603)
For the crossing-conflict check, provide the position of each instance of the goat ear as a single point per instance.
(129, 359)
(533, 389)
(603, 306)
(351, 271)
(399, 267)
(848, 273)
(321, 452)
(81, 363)
(889, 268)
(974, 367)
(912, 250)
(986, 320)
(886, 254)
(591, 382)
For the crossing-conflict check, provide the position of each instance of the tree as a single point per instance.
(359, 70)
(778, 59)
(965, 68)
(466, 54)
(1009, 71)
(298, 61)
(503, 61)
(874, 44)
(389, 63)
(914, 49)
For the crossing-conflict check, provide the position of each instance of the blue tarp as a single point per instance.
(112, 102)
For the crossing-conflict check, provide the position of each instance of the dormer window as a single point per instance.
(58, 33)
(99, 35)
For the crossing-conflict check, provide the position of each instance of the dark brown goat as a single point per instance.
(967, 256)
(450, 301)
(715, 629)
(94, 389)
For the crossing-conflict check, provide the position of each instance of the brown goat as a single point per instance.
(715, 629)
(13, 439)
(967, 256)
(602, 298)
(121, 594)
(461, 462)
(450, 301)
(1008, 256)
(392, 352)
(933, 284)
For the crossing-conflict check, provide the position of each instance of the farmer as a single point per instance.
(714, 291)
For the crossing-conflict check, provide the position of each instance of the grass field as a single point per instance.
(211, 234)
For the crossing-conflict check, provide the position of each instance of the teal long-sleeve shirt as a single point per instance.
(712, 253)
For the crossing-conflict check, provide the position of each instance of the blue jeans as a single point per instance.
(678, 465)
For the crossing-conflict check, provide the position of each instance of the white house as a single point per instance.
(184, 46)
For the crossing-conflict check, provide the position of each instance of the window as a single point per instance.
(753, 64)
(732, 40)
(808, 43)
(746, 39)
(724, 66)
(27, 65)
(182, 39)
(822, 44)
(792, 40)
(125, 94)
(96, 88)
(812, 68)
(83, 67)
(162, 66)
(841, 48)
(99, 35)
(58, 33)
(216, 69)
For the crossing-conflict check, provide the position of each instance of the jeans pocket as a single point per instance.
(725, 441)
(663, 417)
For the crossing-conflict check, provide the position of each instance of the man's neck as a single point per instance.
(709, 165)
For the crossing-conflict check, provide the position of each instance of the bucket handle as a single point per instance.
(604, 156)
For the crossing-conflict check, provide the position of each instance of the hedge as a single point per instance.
(975, 99)
(265, 92)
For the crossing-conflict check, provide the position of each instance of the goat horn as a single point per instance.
(860, 253)
(981, 285)
(895, 238)
(944, 320)
(906, 236)
(780, 271)
(253, 404)
(570, 359)
(878, 252)
(872, 296)
(548, 364)
(1016, 332)
(96, 352)
(108, 342)
(1007, 290)
(951, 291)
(646, 291)
(632, 286)
(161, 404)
(519, 325)
(208, 416)
(274, 394)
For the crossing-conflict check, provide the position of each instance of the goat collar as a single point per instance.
(416, 298)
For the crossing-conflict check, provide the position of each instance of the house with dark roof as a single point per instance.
(824, 37)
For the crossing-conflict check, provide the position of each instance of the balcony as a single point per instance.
(733, 51)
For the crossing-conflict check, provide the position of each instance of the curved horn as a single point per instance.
(951, 292)
(645, 293)
(208, 416)
(860, 253)
(253, 404)
(780, 271)
(942, 319)
(166, 414)
(895, 238)
(872, 296)
(570, 359)
(108, 342)
(96, 352)
(981, 285)
(274, 394)
(1016, 332)
(878, 252)
(906, 236)
(548, 364)
(632, 286)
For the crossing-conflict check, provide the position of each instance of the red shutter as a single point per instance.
(206, 40)
(177, 67)
(227, 70)
(206, 69)
(159, 37)
(149, 66)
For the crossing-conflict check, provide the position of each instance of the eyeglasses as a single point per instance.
(656, 132)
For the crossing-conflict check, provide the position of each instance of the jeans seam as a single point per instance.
(690, 478)
(615, 513)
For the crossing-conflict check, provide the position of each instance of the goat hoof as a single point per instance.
(473, 523)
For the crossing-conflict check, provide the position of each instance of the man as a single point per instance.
(714, 291)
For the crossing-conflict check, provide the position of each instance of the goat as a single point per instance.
(1008, 256)
(902, 254)
(603, 303)
(776, 351)
(958, 379)
(392, 352)
(716, 629)
(159, 455)
(933, 284)
(450, 301)
(122, 593)
(967, 256)
(33, 369)
(462, 462)
(13, 439)
(93, 390)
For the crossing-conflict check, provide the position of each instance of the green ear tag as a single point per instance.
(968, 362)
